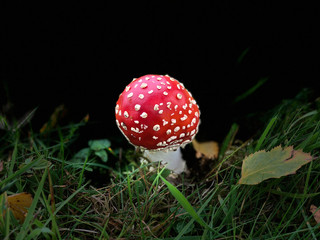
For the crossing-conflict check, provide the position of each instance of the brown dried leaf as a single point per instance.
(57, 115)
(316, 213)
(209, 150)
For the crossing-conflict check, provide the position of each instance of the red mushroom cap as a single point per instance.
(156, 112)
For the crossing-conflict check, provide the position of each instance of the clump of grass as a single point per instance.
(294, 122)
(141, 200)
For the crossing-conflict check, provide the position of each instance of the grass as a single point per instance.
(140, 200)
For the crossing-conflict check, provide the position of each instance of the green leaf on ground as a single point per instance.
(276, 163)
(99, 144)
(102, 154)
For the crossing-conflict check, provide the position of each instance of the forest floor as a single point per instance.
(105, 191)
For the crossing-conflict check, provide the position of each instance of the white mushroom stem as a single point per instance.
(172, 159)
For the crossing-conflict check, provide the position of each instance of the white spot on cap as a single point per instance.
(165, 93)
(156, 107)
(169, 87)
(126, 114)
(176, 129)
(196, 114)
(137, 107)
(159, 78)
(171, 138)
(136, 122)
(155, 138)
(182, 135)
(178, 86)
(130, 95)
(156, 127)
(135, 129)
(123, 126)
(161, 111)
(159, 87)
(179, 96)
(144, 115)
(143, 85)
(141, 96)
(173, 121)
(162, 144)
(164, 122)
(184, 117)
(127, 88)
(168, 131)
(151, 91)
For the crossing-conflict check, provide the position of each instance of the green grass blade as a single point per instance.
(20, 171)
(242, 55)
(82, 171)
(205, 204)
(26, 224)
(228, 140)
(185, 203)
(55, 228)
(14, 155)
(62, 204)
(294, 195)
(251, 90)
(265, 132)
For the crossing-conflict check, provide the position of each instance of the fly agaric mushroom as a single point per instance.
(157, 113)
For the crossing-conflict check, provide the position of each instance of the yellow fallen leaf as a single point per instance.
(276, 163)
(209, 150)
(19, 204)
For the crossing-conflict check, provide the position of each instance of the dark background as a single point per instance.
(84, 54)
